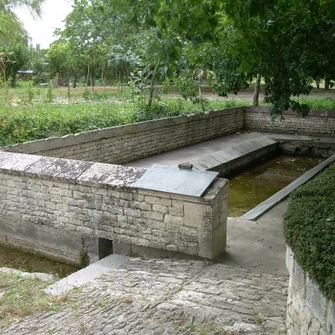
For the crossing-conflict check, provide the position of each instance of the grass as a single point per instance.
(318, 103)
(310, 229)
(20, 297)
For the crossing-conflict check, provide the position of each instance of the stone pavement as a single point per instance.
(168, 296)
(257, 245)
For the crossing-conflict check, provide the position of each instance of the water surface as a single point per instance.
(19, 260)
(253, 186)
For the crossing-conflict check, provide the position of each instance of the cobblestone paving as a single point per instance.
(182, 297)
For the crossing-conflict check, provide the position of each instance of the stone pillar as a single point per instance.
(210, 218)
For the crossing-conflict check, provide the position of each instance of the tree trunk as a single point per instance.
(56, 82)
(88, 76)
(75, 78)
(327, 83)
(317, 82)
(152, 86)
(92, 80)
(255, 98)
(3, 74)
(67, 81)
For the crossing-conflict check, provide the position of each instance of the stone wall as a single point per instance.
(308, 311)
(63, 208)
(123, 144)
(317, 123)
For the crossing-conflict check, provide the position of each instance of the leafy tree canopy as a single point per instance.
(286, 42)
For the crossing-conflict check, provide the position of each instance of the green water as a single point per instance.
(26, 262)
(255, 185)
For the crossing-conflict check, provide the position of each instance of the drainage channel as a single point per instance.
(269, 203)
(258, 183)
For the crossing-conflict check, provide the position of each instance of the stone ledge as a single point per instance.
(317, 113)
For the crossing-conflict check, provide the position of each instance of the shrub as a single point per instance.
(310, 229)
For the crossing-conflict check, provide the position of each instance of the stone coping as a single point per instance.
(269, 203)
(88, 173)
(317, 113)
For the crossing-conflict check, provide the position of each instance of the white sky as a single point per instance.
(41, 30)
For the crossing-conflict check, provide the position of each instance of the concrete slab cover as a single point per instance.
(86, 275)
(175, 180)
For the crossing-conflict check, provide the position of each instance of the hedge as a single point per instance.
(310, 229)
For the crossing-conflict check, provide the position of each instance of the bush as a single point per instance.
(310, 229)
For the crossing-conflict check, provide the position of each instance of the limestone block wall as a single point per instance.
(317, 123)
(308, 311)
(123, 144)
(63, 207)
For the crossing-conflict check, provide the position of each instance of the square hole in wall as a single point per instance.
(105, 247)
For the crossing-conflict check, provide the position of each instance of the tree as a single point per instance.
(13, 37)
(14, 56)
(279, 40)
(11, 28)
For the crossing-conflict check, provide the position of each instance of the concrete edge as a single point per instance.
(269, 203)
(86, 275)
(227, 156)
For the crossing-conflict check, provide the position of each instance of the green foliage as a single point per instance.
(21, 124)
(38, 120)
(318, 103)
(310, 229)
(95, 96)
(30, 93)
(39, 66)
(49, 93)
(14, 56)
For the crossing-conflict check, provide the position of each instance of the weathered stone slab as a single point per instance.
(16, 162)
(219, 157)
(172, 179)
(114, 175)
(235, 156)
(206, 163)
(248, 147)
(230, 153)
(58, 168)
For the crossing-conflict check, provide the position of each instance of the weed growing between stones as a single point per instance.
(20, 297)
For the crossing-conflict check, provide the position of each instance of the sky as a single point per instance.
(41, 30)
